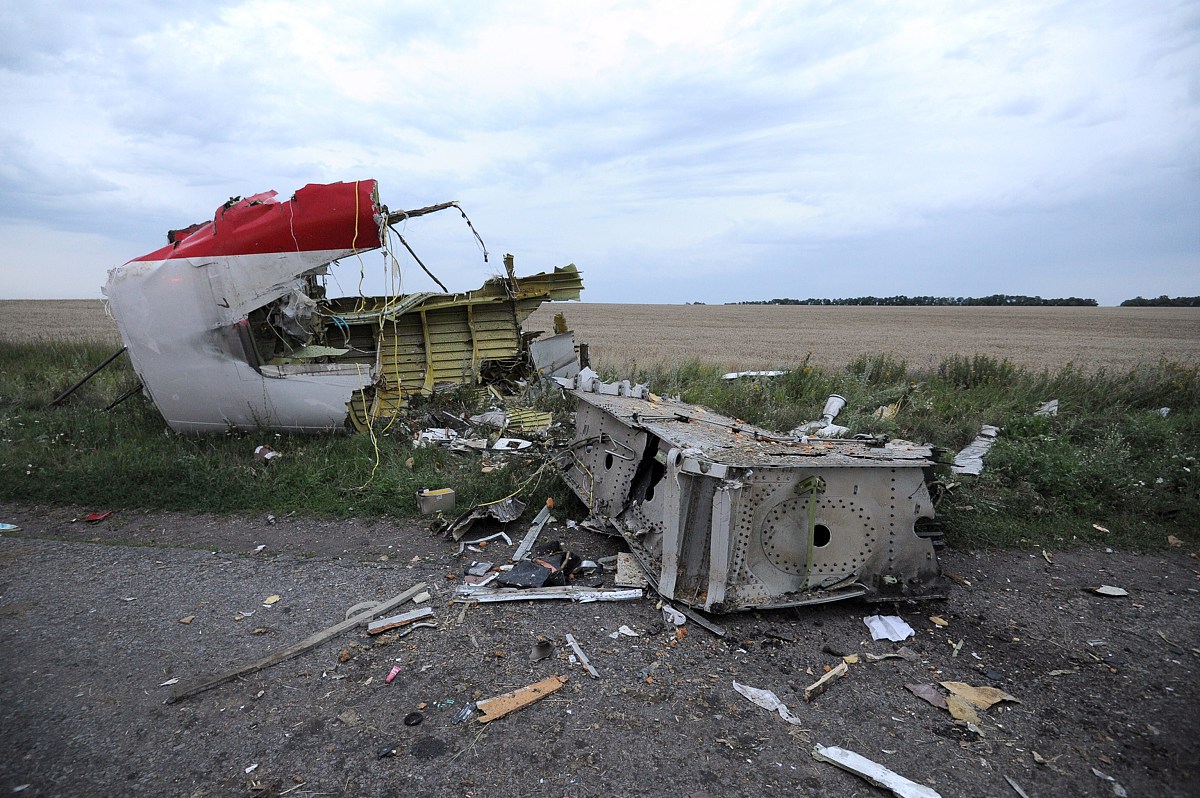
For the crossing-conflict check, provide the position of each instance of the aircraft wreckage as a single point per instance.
(725, 516)
(229, 325)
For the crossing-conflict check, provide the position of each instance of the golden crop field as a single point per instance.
(746, 337)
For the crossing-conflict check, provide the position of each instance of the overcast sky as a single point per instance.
(675, 151)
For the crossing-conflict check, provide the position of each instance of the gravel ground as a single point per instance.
(90, 629)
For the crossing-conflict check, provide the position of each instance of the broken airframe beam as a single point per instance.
(873, 772)
(724, 516)
(969, 461)
(299, 648)
(535, 529)
(63, 396)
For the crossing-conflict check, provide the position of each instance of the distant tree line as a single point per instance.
(1014, 300)
(1163, 302)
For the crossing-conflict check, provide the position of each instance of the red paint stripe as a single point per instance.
(334, 216)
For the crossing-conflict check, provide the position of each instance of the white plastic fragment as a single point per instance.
(737, 375)
(1117, 789)
(767, 700)
(888, 627)
(873, 772)
(1047, 408)
(673, 616)
(252, 768)
(1109, 590)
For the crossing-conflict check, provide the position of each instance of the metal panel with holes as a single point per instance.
(725, 516)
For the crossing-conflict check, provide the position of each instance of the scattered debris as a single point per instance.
(511, 445)
(1103, 529)
(392, 674)
(93, 518)
(583, 660)
(1109, 590)
(904, 652)
(1047, 408)
(170, 682)
(625, 631)
(961, 709)
(185, 620)
(503, 512)
(819, 686)
(970, 460)
(1174, 541)
(888, 627)
(484, 594)
(1117, 789)
(1016, 787)
(440, 500)
(553, 565)
(501, 705)
(413, 719)
(269, 600)
(541, 650)
(873, 772)
(824, 426)
(535, 529)
(673, 616)
(464, 713)
(394, 621)
(629, 573)
(6, 527)
(939, 620)
(768, 701)
(929, 693)
(299, 648)
(737, 375)
(265, 454)
(982, 697)
(406, 631)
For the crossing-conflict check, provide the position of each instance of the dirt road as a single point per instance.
(90, 632)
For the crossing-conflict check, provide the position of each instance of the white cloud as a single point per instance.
(711, 142)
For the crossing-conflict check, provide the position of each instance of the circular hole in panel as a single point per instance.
(820, 535)
(608, 461)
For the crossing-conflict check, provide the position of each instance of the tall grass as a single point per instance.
(1109, 459)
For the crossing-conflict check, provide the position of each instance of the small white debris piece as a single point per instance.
(1117, 789)
(169, 682)
(737, 375)
(1109, 590)
(767, 700)
(252, 768)
(625, 630)
(873, 772)
(421, 597)
(673, 616)
(1164, 411)
(583, 660)
(259, 547)
(1047, 409)
(888, 627)
(970, 459)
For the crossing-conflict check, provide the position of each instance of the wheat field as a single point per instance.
(741, 337)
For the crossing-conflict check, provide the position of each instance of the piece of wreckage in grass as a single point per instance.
(725, 516)
(229, 324)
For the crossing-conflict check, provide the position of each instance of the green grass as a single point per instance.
(1108, 459)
